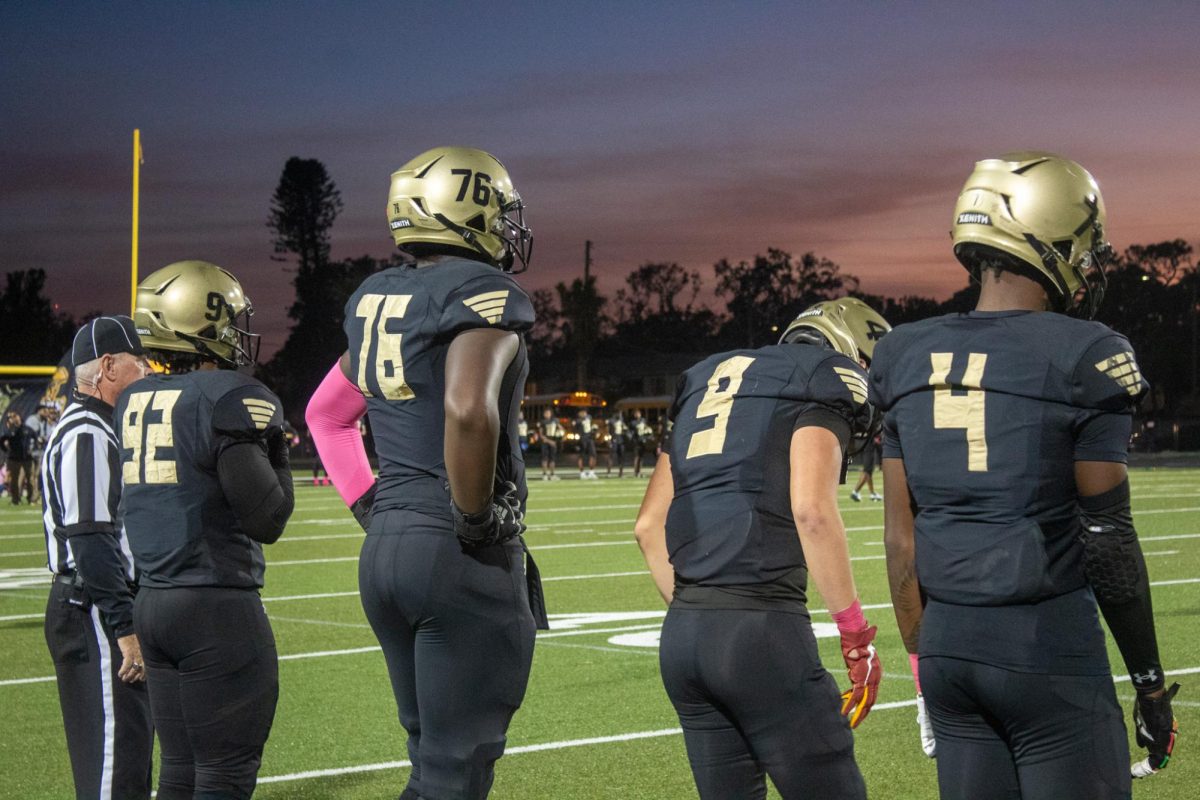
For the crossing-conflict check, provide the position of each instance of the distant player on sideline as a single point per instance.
(643, 440)
(437, 358)
(742, 504)
(617, 434)
(550, 434)
(1005, 442)
(585, 436)
(870, 459)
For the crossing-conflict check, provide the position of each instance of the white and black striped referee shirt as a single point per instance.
(81, 481)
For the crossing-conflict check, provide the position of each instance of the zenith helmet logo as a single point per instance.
(974, 218)
(403, 222)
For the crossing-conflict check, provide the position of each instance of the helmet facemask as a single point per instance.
(517, 237)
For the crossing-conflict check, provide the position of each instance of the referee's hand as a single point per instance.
(132, 668)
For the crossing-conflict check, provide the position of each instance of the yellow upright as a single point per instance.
(137, 174)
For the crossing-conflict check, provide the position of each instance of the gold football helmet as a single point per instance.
(849, 325)
(461, 197)
(196, 307)
(1046, 214)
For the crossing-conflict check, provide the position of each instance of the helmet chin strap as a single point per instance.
(467, 235)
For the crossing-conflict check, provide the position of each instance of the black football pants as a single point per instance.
(109, 736)
(214, 681)
(753, 698)
(457, 635)
(1004, 735)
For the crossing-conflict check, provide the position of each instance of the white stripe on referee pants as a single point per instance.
(110, 711)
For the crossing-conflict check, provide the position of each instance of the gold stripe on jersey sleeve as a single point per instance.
(854, 382)
(260, 412)
(1123, 369)
(489, 305)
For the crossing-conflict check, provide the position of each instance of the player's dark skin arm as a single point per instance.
(1094, 478)
(899, 546)
(475, 367)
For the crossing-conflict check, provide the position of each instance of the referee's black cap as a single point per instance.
(105, 336)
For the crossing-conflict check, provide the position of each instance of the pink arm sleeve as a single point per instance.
(332, 416)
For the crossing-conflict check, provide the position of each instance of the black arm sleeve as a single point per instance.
(261, 495)
(1116, 570)
(98, 561)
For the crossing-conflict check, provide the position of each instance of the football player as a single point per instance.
(437, 359)
(741, 505)
(550, 432)
(643, 440)
(617, 430)
(1005, 441)
(205, 465)
(585, 433)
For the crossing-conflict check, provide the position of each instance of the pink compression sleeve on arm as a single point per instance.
(332, 415)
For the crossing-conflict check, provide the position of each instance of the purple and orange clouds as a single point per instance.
(682, 131)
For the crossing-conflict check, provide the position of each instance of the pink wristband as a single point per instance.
(332, 416)
(851, 619)
(914, 663)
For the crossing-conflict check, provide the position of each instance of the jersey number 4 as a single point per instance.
(717, 402)
(144, 438)
(965, 411)
(376, 311)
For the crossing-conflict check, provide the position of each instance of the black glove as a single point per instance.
(277, 448)
(1156, 727)
(361, 508)
(500, 521)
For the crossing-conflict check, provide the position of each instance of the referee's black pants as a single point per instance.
(109, 736)
(754, 700)
(214, 682)
(457, 635)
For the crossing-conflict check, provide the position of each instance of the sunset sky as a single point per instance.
(684, 132)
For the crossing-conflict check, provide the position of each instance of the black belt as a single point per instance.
(75, 581)
(72, 579)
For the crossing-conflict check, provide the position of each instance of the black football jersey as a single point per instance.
(730, 521)
(171, 430)
(400, 323)
(989, 411)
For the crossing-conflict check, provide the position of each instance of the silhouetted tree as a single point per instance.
(582, 309)
(303, 208)
(656, 310)
(1151, 299)
(31, 330)
(772, 289)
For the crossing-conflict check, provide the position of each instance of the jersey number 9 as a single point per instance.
(717, 402)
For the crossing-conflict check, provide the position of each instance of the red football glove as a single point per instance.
(863, 663)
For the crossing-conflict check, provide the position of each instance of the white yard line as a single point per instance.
(595, 575)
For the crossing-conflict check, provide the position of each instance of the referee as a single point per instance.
(89, 617)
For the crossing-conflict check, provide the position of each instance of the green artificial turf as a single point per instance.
(596, 722)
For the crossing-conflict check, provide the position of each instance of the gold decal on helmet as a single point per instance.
(1123, 369)
(489, 305)
(974, 218)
